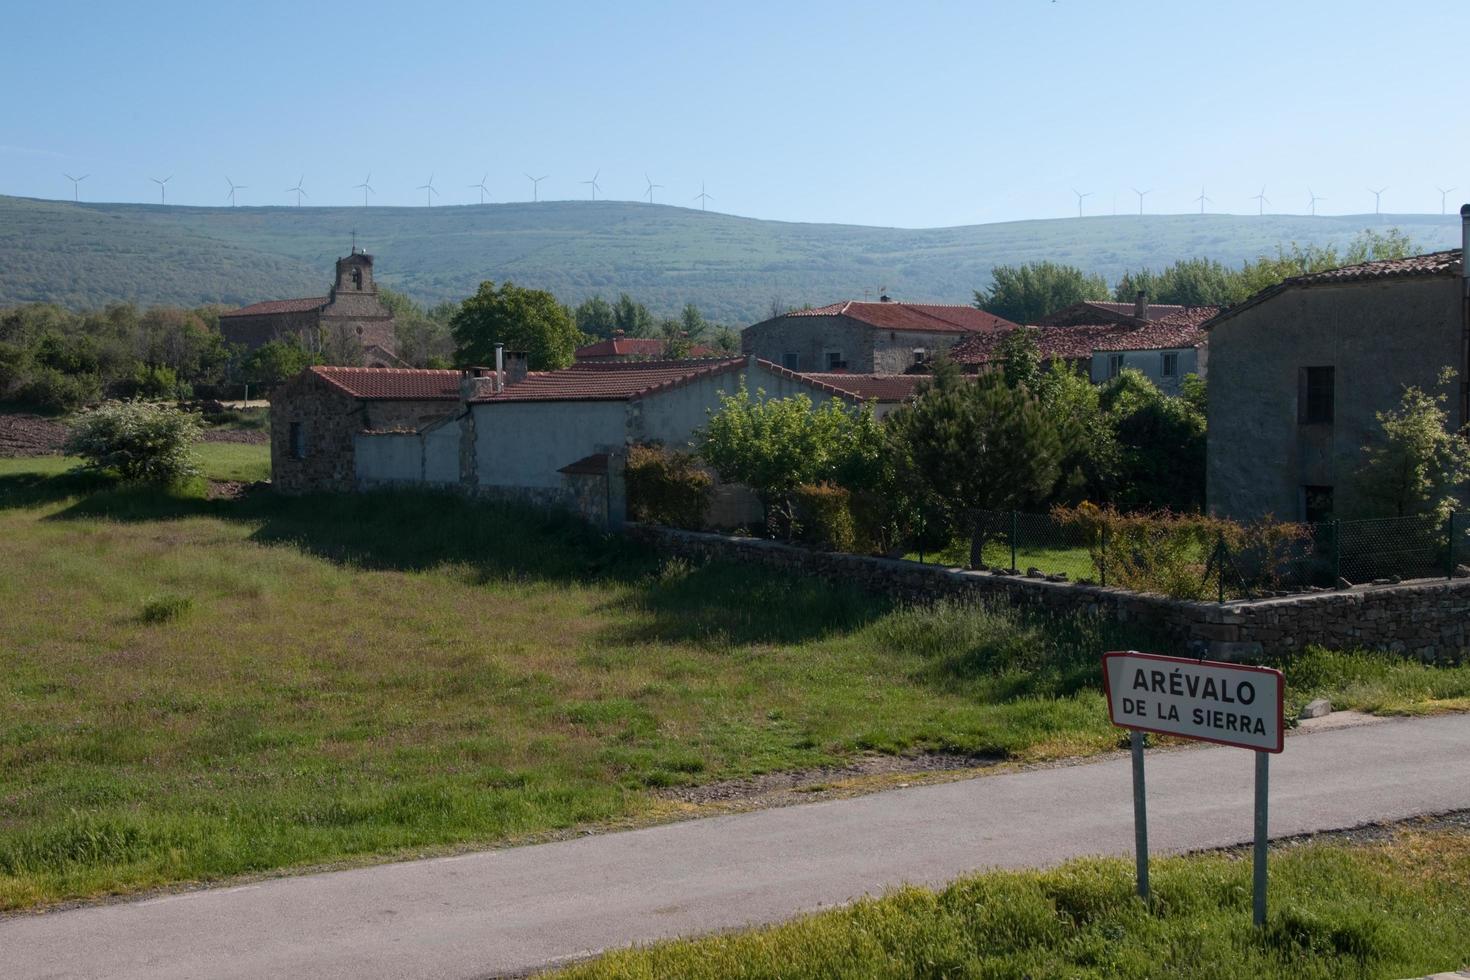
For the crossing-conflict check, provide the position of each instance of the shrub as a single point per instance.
(165, 608)
(138, 441)
(51, 390)
(824, 516)
(666, 487)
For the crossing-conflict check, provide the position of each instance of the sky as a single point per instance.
(907, 114)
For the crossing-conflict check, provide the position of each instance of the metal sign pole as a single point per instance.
(1263, 773)
(1140, 813)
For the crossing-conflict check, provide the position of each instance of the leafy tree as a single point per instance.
(529, 320)
(965, 447)
(1020, 359)
(423, 336)
(1026, 293)
(137, 440)
(726, 340)
(1419, 466)
(676, 342)
(276, 361)
(595, 317)
(1088, 463)
(1161, 445)
(631, 317)
(692, 322)
(1188, 282)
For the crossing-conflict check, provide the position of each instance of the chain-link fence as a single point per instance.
(1198, 561)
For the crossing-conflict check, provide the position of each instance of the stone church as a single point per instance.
(350, 324)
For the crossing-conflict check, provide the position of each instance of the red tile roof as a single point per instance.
(913, 317)
(1055, 343)
(395, 384)
(271, 306)
(870, 387)
(635, 347)
(610, 381)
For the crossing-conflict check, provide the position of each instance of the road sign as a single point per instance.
(1231, 704)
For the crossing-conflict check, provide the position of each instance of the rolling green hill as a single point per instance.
(85, 255)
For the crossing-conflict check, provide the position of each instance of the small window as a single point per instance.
(1316, 504)
(791, 361)
(835, 361)
(1115, 365)
(1170, 366)
(298, 440)
(921, 356)
(1315, 395)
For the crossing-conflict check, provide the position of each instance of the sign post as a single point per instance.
(1229, 704)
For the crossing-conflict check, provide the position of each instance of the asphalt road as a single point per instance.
(522, 908)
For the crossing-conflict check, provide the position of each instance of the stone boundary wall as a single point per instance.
(1429, 618)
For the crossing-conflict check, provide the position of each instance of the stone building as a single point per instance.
(622, 348)
(350, 322)
(1088, 312)
(1299, 372)
(865, 338)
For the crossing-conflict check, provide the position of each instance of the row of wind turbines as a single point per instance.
(430, 191)
(1262, 200)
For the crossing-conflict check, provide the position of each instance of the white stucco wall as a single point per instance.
(1151, 364)
(441, 453)
(671, 417)
(524, 444)
(396, 458)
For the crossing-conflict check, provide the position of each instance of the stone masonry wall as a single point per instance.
(1429, 619)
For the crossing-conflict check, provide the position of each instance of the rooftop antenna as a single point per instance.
(1315, 199)
(366, 187)
(162, 188)
(233, 188)
(652, 185)
(1443, 193)
(428, 190)
(702, 197)
(299, 190)
(1261, 201)
(1140, 198)
(1377, 200)
(536, 186)
(593, 183)
(482, 187)
(76, 193)
(1202, 199)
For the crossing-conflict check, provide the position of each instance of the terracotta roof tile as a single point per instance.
(1055, 343)
(610, 381)
(885, 388)
(912, 317)
(271, 306)
(393, 384)
(635, 347)
(1176, 331)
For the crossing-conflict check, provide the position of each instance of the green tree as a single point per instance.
(1188, 282)
(632, 317)
(1418, 466)
(137, 440)
(692, 322)
(1088, 464)
(529, 320)
(1020, 359)
(677, 344)
(1026, 293)
(1161, 445)
(276, 361)
(595, 317)
(726, 340)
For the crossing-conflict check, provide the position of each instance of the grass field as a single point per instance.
(194, 689)
(1392, 909)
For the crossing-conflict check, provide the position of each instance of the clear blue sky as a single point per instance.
(911, 114)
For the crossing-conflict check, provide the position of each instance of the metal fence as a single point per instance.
(1193, 562)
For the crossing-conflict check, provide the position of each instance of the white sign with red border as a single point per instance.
(1230, 704)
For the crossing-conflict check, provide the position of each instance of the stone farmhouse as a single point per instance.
(866, 338)
(548, 437)
(1299, 371)
(349, 317)
(621, 348)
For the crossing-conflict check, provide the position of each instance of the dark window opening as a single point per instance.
(1315, 395)
(1115, 365)
(298, 440)
(1316, 504)
(791, 361)
(1170, 368)
(835, 361)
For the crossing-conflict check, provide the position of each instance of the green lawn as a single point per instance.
(1392, 909)
(192, 689)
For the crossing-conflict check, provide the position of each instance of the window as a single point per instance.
(1315, 395)
(791, 361)
(1316, 504)
(1115, 365)
(1170, 366)
(921, 357)
(298, 440)
(835, 361)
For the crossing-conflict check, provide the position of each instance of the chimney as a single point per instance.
(618, 333)
(884, 298)
(515, 367)
(1140, 305)
(499, 367)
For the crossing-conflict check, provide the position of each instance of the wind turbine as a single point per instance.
(1377, 200)
(593, 183)
(76, 193)
(1315, 199)
(652, 185)
(233, 188)
(428, 190)
(1202, 199)
(1140, 198)
(162, 188)
(366, 187)
(482, 187)
(1080, 196)
(1443, 193)
(702, 197)
(1261, 201)
(298, 190)
(536, 186)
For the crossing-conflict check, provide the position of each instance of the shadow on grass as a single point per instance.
(19, 490)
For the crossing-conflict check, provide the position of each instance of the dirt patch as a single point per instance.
(249, 437)
(780, 788)
(30, 435)
(232, 489)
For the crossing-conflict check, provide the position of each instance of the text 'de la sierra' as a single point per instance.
(1233, 704)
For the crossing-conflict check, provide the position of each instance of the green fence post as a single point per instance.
(1449, 563)
(1014, 526)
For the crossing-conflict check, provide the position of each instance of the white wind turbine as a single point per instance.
(233, 188)
(536, 186)
(1377, 200)
(702, 197)
(1080, 196)
(162, 188)
(1443, 193)
(593, 183)
(1261, 201)
(483, 189)
(428, 190)
(1140, 198)
(366, 187)
(76, 181)
(1202, 199)
(299, 190)
(651, 186)
(1315, 199)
